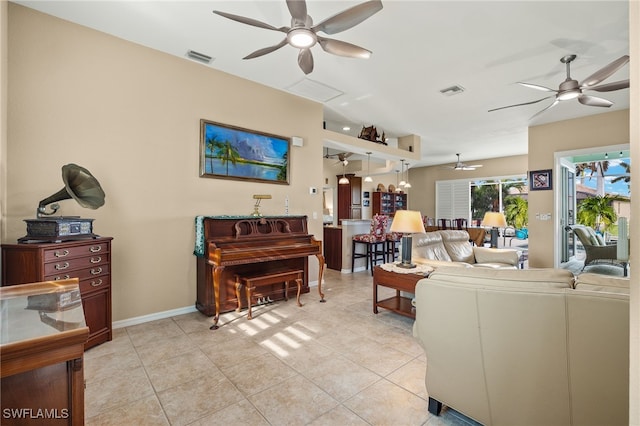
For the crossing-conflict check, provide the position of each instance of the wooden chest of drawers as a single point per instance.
(87, 260)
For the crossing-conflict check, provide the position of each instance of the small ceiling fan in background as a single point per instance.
(341, 156)
(571, 89)
(303, 34)
(461, 166)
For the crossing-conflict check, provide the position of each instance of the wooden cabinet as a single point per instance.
(350, 198)
(333, 247)
(43, 333)
(88, 260)
(386, 203)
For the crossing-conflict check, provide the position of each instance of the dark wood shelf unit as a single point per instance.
(89, 260)
(387, 203)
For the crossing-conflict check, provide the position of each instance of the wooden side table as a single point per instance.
(400, 282)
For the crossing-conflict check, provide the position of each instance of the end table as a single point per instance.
(384, 275)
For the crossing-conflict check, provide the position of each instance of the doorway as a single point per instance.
(582, 174)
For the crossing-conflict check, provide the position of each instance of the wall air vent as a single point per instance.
(453, 90)
(200, 57)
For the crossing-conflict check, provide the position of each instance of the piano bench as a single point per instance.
(268, 278)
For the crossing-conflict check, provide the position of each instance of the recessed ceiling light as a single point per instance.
(346, 128)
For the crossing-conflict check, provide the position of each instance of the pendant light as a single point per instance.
(368, 178)
(343, 180)
(402, 182)
(407, 185)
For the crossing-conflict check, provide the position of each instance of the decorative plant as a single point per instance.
(597, 212)
(516, 211)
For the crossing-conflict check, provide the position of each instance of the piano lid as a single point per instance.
(200, 238)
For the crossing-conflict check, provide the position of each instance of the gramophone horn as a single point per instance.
(80, 185)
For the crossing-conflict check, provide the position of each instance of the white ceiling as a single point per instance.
(419, 48)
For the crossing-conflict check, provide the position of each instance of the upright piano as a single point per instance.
(227, 246)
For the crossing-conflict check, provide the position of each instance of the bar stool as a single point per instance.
(393, 249)
(375, 242)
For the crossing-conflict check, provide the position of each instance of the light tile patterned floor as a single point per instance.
(333, 363)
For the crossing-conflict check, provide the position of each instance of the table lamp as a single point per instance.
(495, 220)
(407, 222)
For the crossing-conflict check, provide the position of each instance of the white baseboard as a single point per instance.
(165, 314)
(152, 317)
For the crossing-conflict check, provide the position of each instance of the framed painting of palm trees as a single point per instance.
(230, 152)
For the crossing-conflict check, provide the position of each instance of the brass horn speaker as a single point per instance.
(80, 185)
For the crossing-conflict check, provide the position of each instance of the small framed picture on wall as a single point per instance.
(365, 203)
(540, 180)
(365, 194)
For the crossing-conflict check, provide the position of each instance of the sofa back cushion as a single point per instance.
(507, 278)
(599, 282)
(429, 245)
(458, 246)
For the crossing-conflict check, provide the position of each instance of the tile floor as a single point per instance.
(333, 363)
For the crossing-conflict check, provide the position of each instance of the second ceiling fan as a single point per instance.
(462, 166)
(303, 35)
(571, 89)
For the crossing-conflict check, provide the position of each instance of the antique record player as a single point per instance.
(80, 185)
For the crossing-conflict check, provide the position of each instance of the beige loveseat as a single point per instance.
(526, 347)
(452, 248)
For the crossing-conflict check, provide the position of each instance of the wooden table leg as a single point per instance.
(320, 274)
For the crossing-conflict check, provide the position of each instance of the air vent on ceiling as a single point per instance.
(200, 57)
(314, 90)
(453, 90)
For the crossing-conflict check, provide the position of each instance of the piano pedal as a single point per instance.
(269, 300)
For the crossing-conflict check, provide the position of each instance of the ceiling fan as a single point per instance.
(571, 89)
(303, 34)
(341, 156)
(461, 166)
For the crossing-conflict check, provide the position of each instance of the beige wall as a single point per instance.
(634, 225)
(425, 178)
(544, 141)
(131, 116)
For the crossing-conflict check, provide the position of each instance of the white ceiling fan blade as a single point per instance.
(610, 87)
(594, 101)
(298, 11)
(536, 87)
(342, 48)
(348, 18)
(475, 166)
(305, 61)
(556, 102)
(525, 103)
(605, 72)
(266, 50)
(250, 21)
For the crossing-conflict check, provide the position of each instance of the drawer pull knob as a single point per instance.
(62, 253)
(64, 277)
(96, 283)
(95, 249)
(96, 259)
(96, 271)
(60, 266)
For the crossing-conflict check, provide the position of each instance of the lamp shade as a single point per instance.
(494, 220)
(407, 222)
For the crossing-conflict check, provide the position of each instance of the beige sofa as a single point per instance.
(526, 347)
(452, 248)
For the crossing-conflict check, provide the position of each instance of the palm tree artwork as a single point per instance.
(236, 153)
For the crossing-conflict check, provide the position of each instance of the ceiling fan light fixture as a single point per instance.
(569, 94)
(302, 38)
